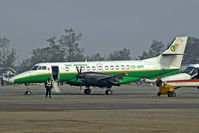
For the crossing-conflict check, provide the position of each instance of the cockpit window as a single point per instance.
(189, 70)
(43, 67)
(195, 72)
(39, 68)
(34, 67)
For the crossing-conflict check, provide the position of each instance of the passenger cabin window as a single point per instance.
(112, 67)
(117, 67)
(67, 69)
(106, 67)
(127, 67)
(88, 68)
(93, 68)
(122, 67)
(99, 67)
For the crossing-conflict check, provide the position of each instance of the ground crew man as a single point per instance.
(48, 86)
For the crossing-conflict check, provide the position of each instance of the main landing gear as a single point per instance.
(87, 91)
(109, 92)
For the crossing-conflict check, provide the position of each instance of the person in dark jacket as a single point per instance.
(48, 86)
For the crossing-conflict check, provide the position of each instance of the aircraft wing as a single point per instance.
(113, 77)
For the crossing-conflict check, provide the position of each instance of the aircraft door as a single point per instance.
(55, 73)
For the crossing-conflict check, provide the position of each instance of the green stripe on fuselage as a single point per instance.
(132, 76)
(40, 78)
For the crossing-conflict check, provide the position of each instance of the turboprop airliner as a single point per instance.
(105, 74)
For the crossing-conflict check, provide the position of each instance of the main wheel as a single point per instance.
(174, 94)
(158, 94)
(27, 93)
(170, 94)
(87, 91)
(109, 92)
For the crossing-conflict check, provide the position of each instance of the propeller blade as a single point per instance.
(77, 70)
(80, 71)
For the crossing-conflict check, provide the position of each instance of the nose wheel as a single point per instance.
(27, 93)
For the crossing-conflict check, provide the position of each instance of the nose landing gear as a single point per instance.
(27, 92)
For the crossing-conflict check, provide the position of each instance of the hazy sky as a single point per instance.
(106, 25)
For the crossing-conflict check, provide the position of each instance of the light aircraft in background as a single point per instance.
(188, 78)
(191, 72)
(105, 74)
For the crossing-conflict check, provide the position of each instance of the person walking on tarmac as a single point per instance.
(48, 86)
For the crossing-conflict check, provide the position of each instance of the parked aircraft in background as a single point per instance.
(7, 73)
(188, 78)
(189, 73)
(105, 74)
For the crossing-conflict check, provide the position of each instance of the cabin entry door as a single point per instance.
(55, 73)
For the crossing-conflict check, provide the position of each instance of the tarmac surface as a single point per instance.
(131, 108)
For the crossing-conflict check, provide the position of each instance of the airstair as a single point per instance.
(56, 89)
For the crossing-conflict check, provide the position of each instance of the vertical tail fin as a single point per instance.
(172, 57)
(177, 47)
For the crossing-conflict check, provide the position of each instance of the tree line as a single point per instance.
(7, 55)
(66, 49)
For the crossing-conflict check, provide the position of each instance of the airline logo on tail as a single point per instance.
(177, 46)
(174, 47)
